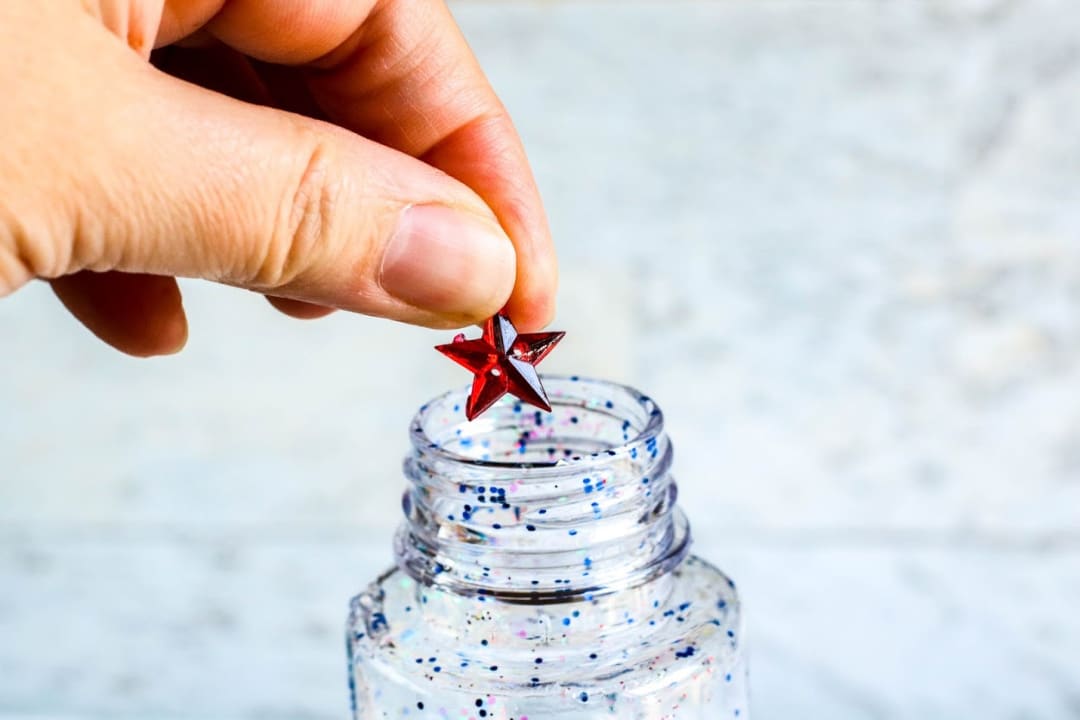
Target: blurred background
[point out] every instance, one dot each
(839, 242)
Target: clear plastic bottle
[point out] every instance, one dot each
(543, 572)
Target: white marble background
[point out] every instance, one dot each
(838, 241)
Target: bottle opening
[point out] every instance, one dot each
(536, 506)
(589, 419)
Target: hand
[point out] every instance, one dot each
(327, 153)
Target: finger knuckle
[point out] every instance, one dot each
(14, 270)
(27, 250)
(306, 226)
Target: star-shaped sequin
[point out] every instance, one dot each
(503, 361)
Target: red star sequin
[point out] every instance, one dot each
(503, 361)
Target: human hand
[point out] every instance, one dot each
(395, 187)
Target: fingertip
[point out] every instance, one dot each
(449, 262)
(531, 315)
(171, 335)
(532, 304)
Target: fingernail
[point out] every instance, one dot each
(448, 262)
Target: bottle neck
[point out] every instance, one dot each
(530, 506)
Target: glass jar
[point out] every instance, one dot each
(543, 572)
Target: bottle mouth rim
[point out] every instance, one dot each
(529, 491)
(623, 403)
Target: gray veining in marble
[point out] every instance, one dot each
(838, 241)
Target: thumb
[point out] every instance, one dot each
(178, 180)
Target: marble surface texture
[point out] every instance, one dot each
(838, 241)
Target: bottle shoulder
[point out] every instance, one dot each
(628, 641)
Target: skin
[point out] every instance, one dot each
(281, 146)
